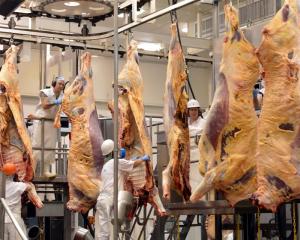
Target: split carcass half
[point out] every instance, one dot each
(85, 160)
(133, 134)
(278, 151)
(15, 145)
(176, 173)
(228, 143)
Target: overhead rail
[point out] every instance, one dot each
(103, 35)
(13, 219)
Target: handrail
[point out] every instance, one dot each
(13, 219)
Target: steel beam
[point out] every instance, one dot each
(97, 47)
(102, 35)
(116, 124)
(164, 38)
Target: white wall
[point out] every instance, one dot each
(153, 71)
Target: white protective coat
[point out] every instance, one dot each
(195, 129)
(105, 199)
(50, 136)
(13, 192)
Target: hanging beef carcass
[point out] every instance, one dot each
(228, 143)
(15, 145)
(176, 173)
(133, 134)
(85, 160)
(278, 152)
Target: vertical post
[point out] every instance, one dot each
(42, 146)
(116, 70)
(145, 221)
(59, 164)
(215, 28)
(67, 216)
(2, 211)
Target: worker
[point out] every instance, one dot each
(105, 199)
(13, 192)
(196, 125)
(50, 99)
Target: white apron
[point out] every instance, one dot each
(50, 132)
(195, 128)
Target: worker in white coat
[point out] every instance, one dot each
(105, 199)
(196, 124)
(50, 99)
(13, 192)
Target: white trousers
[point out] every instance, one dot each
(10, 231)
(103, 224)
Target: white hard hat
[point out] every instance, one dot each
(193, 103)
(107, 147)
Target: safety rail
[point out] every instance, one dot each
(13, 219)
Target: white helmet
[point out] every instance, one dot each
(107, 147)
(193, 103)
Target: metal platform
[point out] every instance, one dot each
(209, 207)
(59, 179)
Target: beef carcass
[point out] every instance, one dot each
(15, 145)
(278, 151)
(133, 134)
(228, 143)
(85, 160)
(176, 122)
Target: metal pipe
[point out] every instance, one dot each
(13, 219)
(2, 211)
(116, 125)
(42, 146)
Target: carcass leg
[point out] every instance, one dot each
(166, 182)
(205, 185)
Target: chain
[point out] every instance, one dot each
(294, 221)
(258, 223)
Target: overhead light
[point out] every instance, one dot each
(95, 56)
(96, 8)
(121, 15)
(58, 10)
(184, 27)
(68, 40)
(72, 4)
(85, 14)
(147, 46)
(141, 11)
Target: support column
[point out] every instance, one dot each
(2, 211)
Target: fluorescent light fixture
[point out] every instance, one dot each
(68, 40)
(147, 46)
(22, 10)
(58, 10)
(121, 15)
(96, 8)
(141, 11)
(72, 4)
(184, 27)
(95, 56)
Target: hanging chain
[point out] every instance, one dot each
(294, 221)
(258, 223)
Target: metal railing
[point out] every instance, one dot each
(13, 219)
